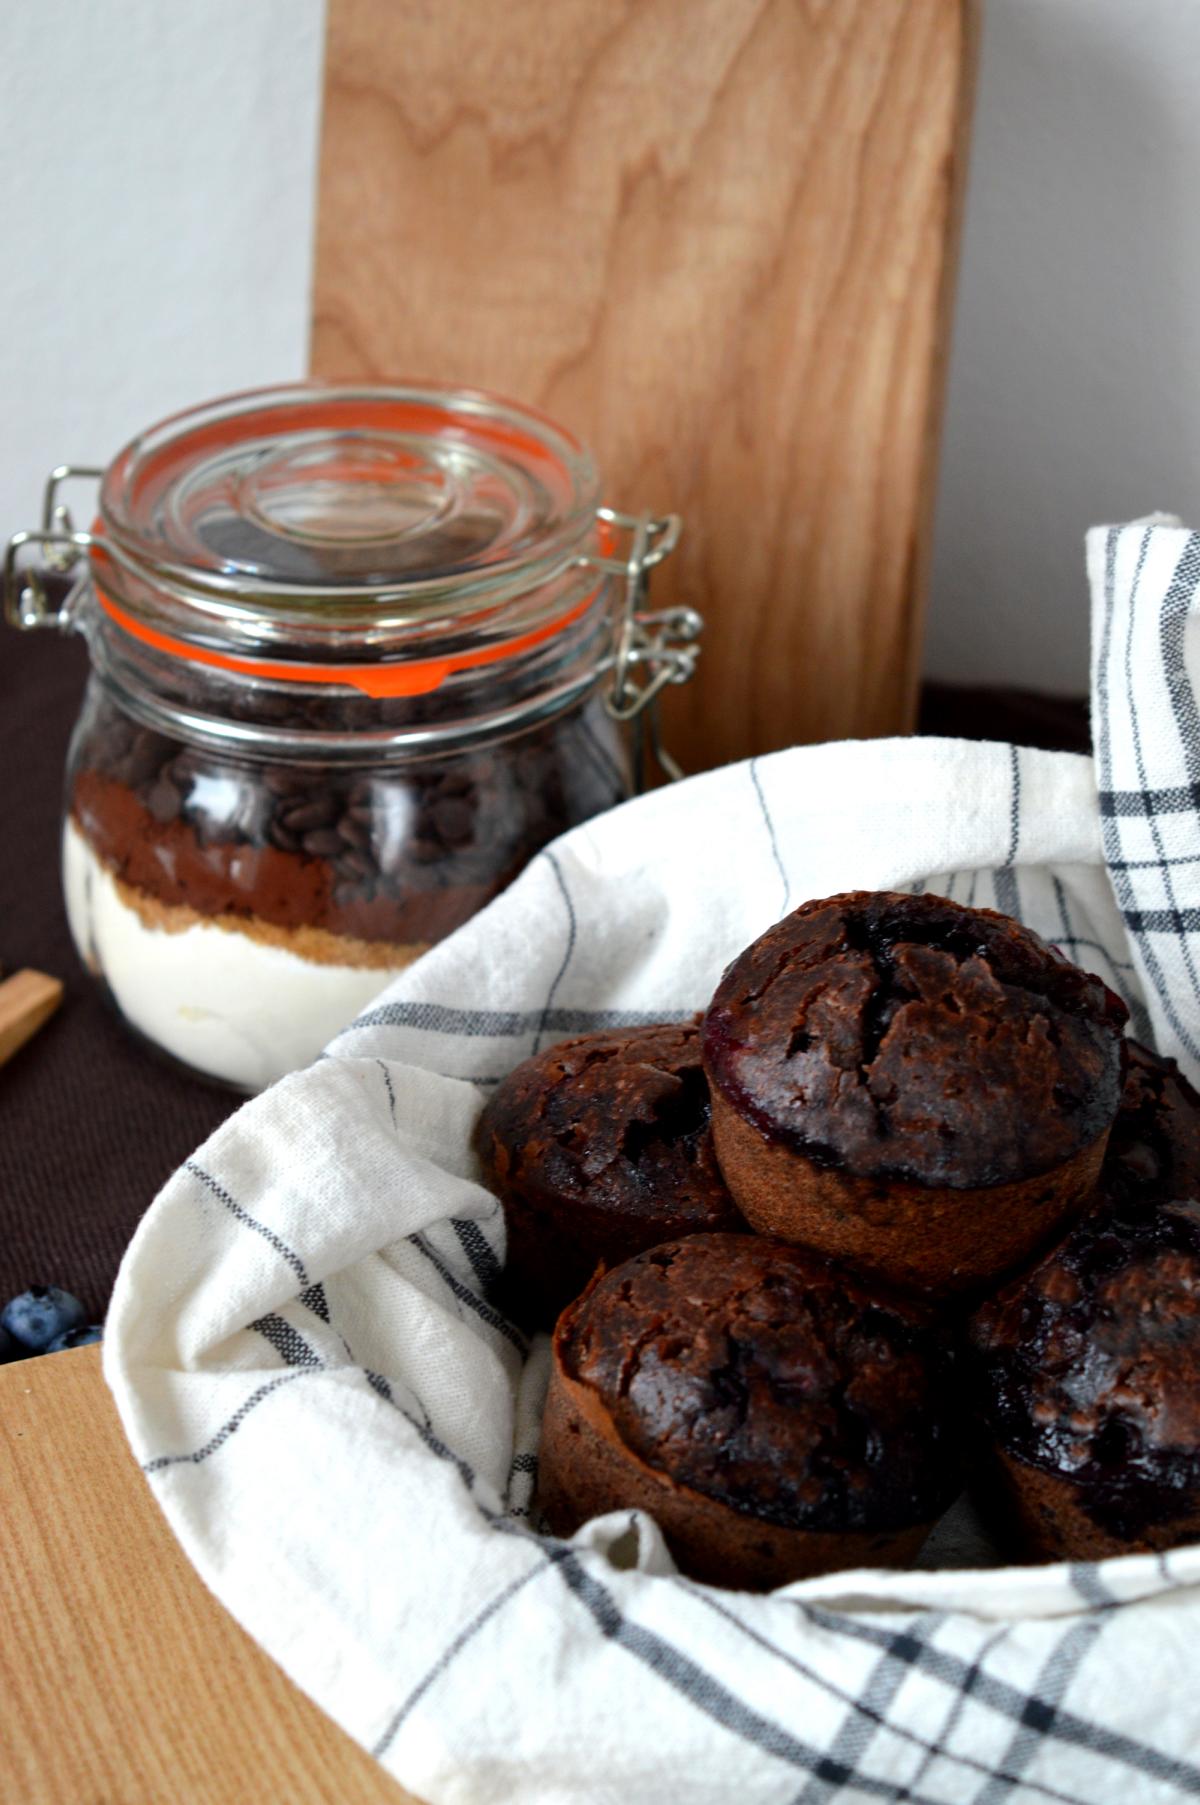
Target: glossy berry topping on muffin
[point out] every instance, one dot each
(1088, 1368)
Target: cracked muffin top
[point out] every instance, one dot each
(611, 1123)
(1089, 1366)
(905, 1037)
(760, 1374)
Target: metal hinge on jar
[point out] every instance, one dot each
(652, 650)
(26, 602)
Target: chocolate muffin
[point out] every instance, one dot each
(922, 1089)
(598, 1148)
(775, 1414)
(1086, 1376)
(1154, 1148)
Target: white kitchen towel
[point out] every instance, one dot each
(342, 1430)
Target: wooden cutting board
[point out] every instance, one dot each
(122, 1680)
(714, 237)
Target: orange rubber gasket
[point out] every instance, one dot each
(420, 677)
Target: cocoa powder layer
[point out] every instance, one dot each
(759, 1374)
(248, 882)
(897, 1037)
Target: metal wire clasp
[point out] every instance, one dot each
(26, 603)
(663, 644)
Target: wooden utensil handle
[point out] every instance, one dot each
(27, 1000)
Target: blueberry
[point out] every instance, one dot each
(10, 1348)
(41, 1314)
(78, 1337)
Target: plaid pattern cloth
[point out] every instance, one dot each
(342, 1430)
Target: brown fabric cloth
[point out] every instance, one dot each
(91, 1121)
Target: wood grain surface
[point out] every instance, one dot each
(27, 1001)
(122, 1680)
(716, 239)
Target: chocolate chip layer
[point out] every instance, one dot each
(600, 1147)
(899, 1037)
(759, 1374)
(401, 853)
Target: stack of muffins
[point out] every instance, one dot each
(903, 1208)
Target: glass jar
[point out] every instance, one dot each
(357, 655)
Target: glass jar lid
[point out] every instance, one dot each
(306, 501)
(393, 540)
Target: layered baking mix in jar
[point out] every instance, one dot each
(357, 655)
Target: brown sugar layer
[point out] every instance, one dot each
(896, 1037)
(1087, 1370)
(758, 1374)
(598, 1148)
(316, 945)
(1154, 1148)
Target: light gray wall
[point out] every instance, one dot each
(1074, 377)
(156, 181)
(156, 175)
